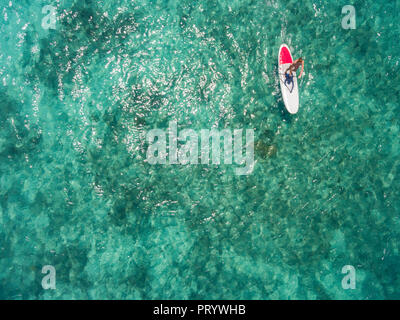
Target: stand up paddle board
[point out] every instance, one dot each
(289, 89)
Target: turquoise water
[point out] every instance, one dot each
(76, 192)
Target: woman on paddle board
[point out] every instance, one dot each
(294, 66)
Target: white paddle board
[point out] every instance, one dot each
(290, 90)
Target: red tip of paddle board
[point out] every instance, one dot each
(285, 56)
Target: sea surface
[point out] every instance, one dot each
(77, 193)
